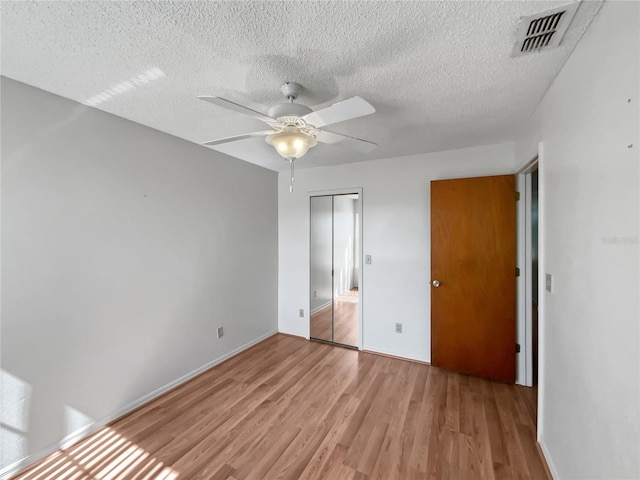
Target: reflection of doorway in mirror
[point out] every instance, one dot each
(335, 260)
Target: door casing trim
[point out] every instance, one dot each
(361, 285)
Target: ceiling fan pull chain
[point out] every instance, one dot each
(292, 177)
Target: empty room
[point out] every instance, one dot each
(340, 240)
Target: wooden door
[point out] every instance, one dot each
(473, 254)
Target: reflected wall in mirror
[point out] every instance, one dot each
(334, 268)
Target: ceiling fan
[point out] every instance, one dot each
(295, 128)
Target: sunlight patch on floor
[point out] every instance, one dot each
(106, 455)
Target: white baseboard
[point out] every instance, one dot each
(549, 460)
(98, 424)
(367, 348)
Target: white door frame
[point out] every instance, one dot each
(525, 287)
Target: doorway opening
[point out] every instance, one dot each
(335, 269)
(530, 301)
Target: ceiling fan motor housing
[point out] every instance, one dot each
(289, 110)
(291, 90)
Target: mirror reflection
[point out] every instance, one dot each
(334, 267)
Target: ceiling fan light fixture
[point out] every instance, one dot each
(291, 143)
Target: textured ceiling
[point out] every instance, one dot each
(439, 74)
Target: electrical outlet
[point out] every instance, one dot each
(220, 332)
(315, 294)
(398, 328)
(301, 313)
(549, 283)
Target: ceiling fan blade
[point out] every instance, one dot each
(238, 137)
(339, 112)
(221, 102)
(351, 143)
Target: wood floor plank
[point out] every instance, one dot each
(343, 420)
(510, 435)
(453, 402)
(495, 437)
(223, 473)
(535, 464)
(389, 461)
(263, 454)
(335, 466)
(289, 409)
(371, 451)
(470, 457)
(298, 454)
(448, 459)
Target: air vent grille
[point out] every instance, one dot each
(540, 32)
(543, 31)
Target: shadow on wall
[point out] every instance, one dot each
(15, 397)
(15, 402)
(106, 454)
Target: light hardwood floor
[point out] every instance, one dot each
(292, 409)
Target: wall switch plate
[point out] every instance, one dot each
(398, 328)
(549, 283)
(220, 332)
(301, 313)
(367, 259)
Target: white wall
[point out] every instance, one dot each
(589, 201)
(123, 249)
(395, 222)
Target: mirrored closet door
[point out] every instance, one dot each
(335, 268)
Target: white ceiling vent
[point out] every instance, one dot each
(544, 30)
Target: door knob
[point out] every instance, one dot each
(436, 283)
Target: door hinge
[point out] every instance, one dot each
(517, 348)
(517, 272)
(517, 196)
